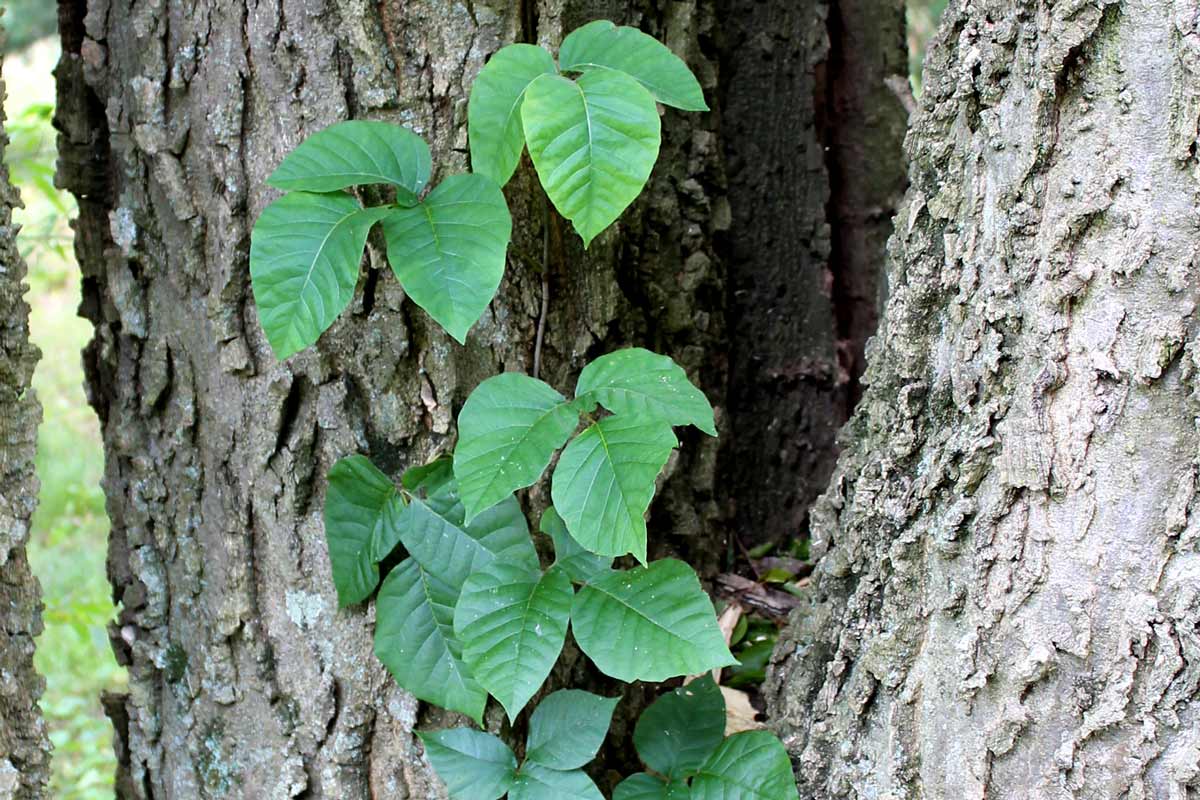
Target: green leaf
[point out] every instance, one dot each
(453, 552)
(680, 729)
(647, 787)
(512, 623)
(637, 382)
(604, 482)
(304, 255)
(593, 141)
(569, 556)
(355, 153)
(494, 112)
(431, 478)
(568, 727)
(649, 623)
(473, 765)
(355, 506)
(449, 250)
(414, 638)
(508, 431)
(642, 57)
(535, 782)
(747, 766)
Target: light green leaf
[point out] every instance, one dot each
(680, 729)
(304, 255)
(567, 728)
(414, 638)
(747, 766)
(512, 622)
(474, 765)
(535, 782)
(355, 506)
(494, 112)
(569, 556)
(508, 431)
(593, 141)
(355, 153)
(638, 382)
(642, 57)
(604, 482)
(647, 787)
(453, 552)
(649, 623)
(449, 250)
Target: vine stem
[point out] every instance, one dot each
(541, 326)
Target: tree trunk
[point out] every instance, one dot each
(245, 678)
(24, 745)
(1008, 595)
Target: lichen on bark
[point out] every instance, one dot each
(24, 744)
(1008, 591)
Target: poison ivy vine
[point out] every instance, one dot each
(467, 609)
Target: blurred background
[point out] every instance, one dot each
(70, 528)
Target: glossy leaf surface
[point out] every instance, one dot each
(494, 113)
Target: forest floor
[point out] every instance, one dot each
(70, 528)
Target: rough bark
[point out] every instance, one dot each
(1008, 595)
(245, 678)
(812, 136)
(24, 745)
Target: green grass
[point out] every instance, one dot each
(70, 528)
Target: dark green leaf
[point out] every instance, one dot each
(494, 113)
(414, 638)
(747, 766)
(473, 765)
(649, 623)
(535, 782)
(453, 552)
(604, 482)
(644, 384)
(569, 556)
(355, 153)
(449, 251)
(304, 255)
(355, 508)
(508, 431)
(593, 141)
(680, 729)
(512, 622)
(647, 787)
(567, 728)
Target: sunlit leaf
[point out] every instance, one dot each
(508, 430)
(449, 250)
(604, 482)
(354, 153)
(305, 251)
(494, 112)
(638, 382)
(644, 58)
(593, 142)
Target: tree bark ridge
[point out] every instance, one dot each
(24, 744)
(1006, 603)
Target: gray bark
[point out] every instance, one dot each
(245, 679)
(24, 745)
(1008, 593)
